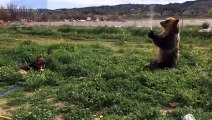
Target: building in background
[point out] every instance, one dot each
(2, 21)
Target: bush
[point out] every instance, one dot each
(66, 29)
(41, 112)
(75, 113)
(205, 25)
(34, 81)
(9, 75)
(42, 31)
(27, 52)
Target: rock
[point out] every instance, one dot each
(189, 117)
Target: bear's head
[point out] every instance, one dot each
(171, 25)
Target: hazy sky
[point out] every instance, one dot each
(53, 4)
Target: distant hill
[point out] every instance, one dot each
(198, 8)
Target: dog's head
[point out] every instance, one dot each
(38, 64)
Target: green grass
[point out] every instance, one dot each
(99, 71)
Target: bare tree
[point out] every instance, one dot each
(12, 8)
(4, 14)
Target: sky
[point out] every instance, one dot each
(54, 4)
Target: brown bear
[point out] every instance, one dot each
(168, 43)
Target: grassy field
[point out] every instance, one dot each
(99, 71)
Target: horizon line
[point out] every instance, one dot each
(95, 5)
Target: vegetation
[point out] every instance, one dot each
(99, 71)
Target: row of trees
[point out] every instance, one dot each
(12, 13)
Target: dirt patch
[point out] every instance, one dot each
(59, 117)
(8, 110)
(170, 109)
(30, 94)
(12, 109)
(59, 104)
(50, 100)
(3, 102)
(3, 112)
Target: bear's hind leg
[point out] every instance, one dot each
(164, 65)
(152, 65)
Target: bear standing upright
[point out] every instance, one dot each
(168, 43)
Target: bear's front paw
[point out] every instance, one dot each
(151, 33)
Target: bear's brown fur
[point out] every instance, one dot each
(168, 43)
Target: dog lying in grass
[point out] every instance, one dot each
(37, 65)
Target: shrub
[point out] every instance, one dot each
(66, 29)
(43, 31)
(13, 27)
(35, 80)
(52, 79)
(75, 113)
(9, 75)
(27, 52)
(41, 112)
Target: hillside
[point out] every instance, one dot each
(197, 8)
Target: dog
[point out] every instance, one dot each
(37, 65)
